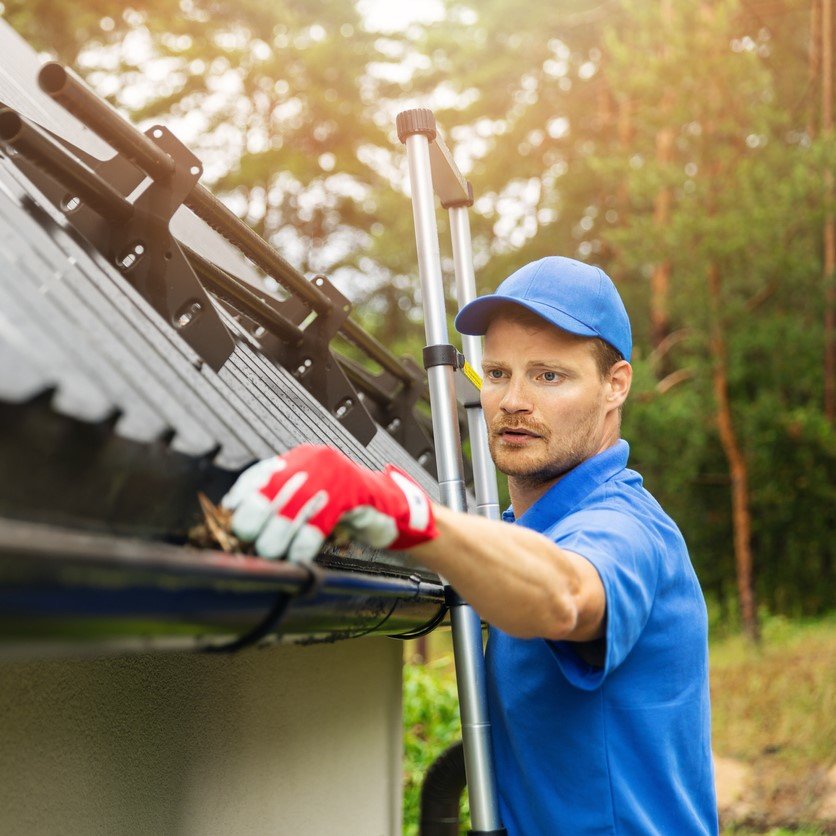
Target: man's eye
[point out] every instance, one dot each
(494, 374)
(550, 377)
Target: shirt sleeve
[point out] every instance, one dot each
(626, 554)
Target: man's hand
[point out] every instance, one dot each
(290, 504)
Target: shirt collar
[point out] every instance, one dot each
(570, 491)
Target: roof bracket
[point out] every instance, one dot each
(314, 365)
(398, 417)
(393, 403)
(134, 236)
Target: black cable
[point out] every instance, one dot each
(273, 618)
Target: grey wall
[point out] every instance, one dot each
(290, 740)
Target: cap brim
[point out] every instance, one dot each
(474, 317)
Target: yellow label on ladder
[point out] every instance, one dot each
(472, 375)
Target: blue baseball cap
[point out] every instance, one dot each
(571, 295)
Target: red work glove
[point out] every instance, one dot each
(290, 504)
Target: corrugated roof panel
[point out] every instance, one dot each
(21, 379)
(78, 393)
(86, 336)
(386, 450)
(147, 356)
(277, 393)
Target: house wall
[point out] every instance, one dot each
(288, 740)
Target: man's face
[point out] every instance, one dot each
(544, 401)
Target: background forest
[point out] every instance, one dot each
(685, 146)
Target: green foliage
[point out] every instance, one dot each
(431, 724)
(755, 218)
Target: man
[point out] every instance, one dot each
(597, 656)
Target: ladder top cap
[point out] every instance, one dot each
(417, 121)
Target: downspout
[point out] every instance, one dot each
(442, 792)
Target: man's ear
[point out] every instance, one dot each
(620, 380)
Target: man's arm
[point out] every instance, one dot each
(516, 579)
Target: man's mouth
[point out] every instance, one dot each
(517, 434)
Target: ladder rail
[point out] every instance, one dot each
(416, 129)
(484, 470)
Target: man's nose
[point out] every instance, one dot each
(515, 398)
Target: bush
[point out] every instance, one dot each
(431, 724)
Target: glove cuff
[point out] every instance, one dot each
(416, 521)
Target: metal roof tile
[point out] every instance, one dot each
(21, 379)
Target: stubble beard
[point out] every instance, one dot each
(555, 456)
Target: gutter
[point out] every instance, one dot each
(64, 591)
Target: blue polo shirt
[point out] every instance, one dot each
(625, 746)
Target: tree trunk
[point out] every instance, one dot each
(661, 276)
(660, 326)
(625, 140)
(814, 66)
(738, 469)
(829, 222)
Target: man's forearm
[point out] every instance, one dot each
(514, 578)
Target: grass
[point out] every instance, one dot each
(774, 710)
(776, 831)
(789, 681)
